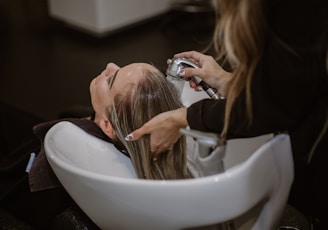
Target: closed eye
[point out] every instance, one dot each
(111, 79)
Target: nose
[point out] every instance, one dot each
(111, 67)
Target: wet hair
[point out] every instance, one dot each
(144, 100)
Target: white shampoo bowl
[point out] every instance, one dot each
(102, 182)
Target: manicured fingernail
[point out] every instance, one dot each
(129, 137)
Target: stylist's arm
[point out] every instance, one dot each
(163, 129)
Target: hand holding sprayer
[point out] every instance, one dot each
(176, 65)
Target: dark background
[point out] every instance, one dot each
(46, 66)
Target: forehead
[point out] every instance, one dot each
(131, 74)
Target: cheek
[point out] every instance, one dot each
(98, 93)
(93, 91)
(92, 85)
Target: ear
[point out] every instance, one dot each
(107, 128)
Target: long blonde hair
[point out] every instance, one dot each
(239, 39)
(149, 97)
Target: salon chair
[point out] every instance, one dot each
(251, 194)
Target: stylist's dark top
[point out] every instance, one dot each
(289, 92)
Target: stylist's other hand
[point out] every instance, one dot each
(163, 129)
(209, 71)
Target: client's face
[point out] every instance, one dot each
(112, 81)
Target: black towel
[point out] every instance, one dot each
(41, 175)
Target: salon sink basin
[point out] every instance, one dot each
(103, 183)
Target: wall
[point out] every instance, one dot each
(103, 16)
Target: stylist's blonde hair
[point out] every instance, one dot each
(239, 38)
(150, 96)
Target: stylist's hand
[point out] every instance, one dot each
(209, 71)
(163, 129)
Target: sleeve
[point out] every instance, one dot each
(206, 115)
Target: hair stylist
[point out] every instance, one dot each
(277, 81)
